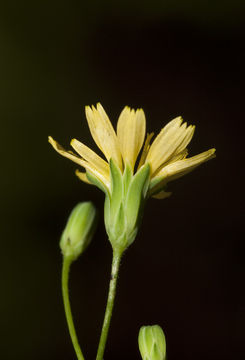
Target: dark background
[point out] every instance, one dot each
(185, 271)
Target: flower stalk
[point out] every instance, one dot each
(67, 260)
(74, 240)
(110, 304)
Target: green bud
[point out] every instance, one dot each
(79, 230)
(124, 204)
(152, 344)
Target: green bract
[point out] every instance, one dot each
(152, 344)
(124, 203)
(79, 230)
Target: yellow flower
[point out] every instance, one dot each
(166, 156)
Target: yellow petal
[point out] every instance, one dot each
(186, 139)
(103, 133)
(82, 176)
(145, 149)
(173, 138)
(91, 157)
(180, 156)
(181, 167)
(79, 161)
(131, 134)
(162, 195)
(63, 152)
(171, 126)
(155, 150)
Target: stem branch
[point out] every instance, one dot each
(65, 276)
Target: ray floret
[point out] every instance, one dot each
(166, 155)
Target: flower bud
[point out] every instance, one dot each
(152, 343)
(79, 230)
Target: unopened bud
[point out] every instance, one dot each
(79, 230)
(152, 344)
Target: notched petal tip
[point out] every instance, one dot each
(68, 154)
(171, 140)
(178, 168)
(100, 109)
(51, 140)
(55, 144)
(206, 155)
(88, 111)
(211, 154)
(193, 128)
(178, 119)
(98, 104)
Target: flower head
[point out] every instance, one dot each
(166, 156)
(126, 180)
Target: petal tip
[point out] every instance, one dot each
(52, 141)
(212, 152)
(98, 105)
(140, 111)
(99, 108)
(88, 110)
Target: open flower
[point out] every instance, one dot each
(166, 156)
(126, 180)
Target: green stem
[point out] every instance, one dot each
(109, 307)
(65, 276)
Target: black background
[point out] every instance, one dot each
(185, 271)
